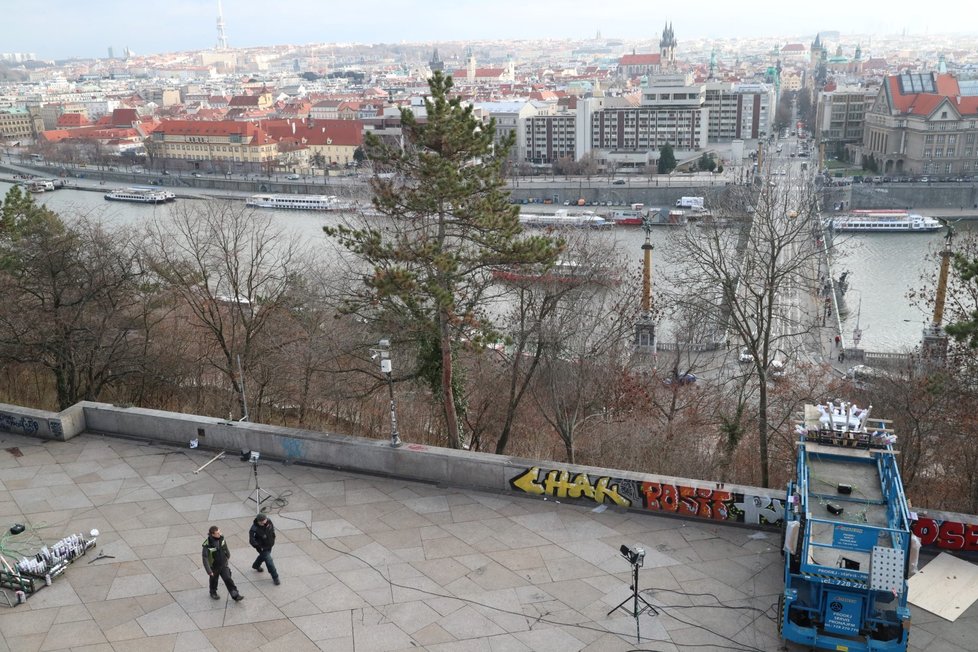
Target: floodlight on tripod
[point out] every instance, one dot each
(260, 494)
(636, 557)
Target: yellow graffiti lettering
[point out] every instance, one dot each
(558, 483)
(561, 484)
(602, 489)
(527, 481)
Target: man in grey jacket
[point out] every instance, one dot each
(217, 562)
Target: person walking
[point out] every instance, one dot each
(262, 538)
(216, 558)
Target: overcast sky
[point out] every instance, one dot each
(68, 28)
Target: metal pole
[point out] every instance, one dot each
(213, 459)
(395, 436)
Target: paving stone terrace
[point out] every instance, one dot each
(371, 563)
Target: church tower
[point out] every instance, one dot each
(436, 63)
(667, 47)
(815, 51)
(470, 70)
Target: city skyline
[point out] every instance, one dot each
(149, 29)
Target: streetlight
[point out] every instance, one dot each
(383, 352)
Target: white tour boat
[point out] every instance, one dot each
(884, 221)
(168, 195)
(138, 196)
(562, 218)
(299, 202)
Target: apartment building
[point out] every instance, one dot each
(840, 116)
(550, 137)
(672, 110)
(923, 123)
(225, 144)
(738, 110)
(20, 125)
(510, 118)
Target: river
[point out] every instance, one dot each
(883, 267)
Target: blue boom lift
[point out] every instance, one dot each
(846, 536)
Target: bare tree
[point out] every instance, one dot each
(233, 270)
(71, 303)
(753, 279)
(585, 342)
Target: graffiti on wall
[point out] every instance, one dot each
(17, 424)
(562, 484)
(295, 449)
(950, 535)
(54, 425)
(760, 510)
(682, 500)
(696, 502)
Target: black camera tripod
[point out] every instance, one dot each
(635, 598)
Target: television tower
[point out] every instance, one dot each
(222, 39)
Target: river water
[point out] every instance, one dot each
(883, 266)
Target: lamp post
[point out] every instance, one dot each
(383, 352)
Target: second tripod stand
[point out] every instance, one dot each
(260, 494)
(636, 558)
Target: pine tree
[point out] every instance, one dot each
(667, 159)
(452, 222)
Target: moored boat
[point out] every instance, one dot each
(884, 221)
(168, 195)
(562, 218)
(299, 202)
(627, 217)
(137, 196)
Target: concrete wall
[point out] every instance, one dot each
(915, 195)
(752, 506)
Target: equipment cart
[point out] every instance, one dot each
(846, 536)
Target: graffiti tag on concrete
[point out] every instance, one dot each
(687, 501)
(682, 500)
(15, 424)
(561, 484)
(950, 535)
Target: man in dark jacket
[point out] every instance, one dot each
(217, 562)
(262, 538)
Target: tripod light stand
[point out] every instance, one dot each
(260, 495)
(635, 557)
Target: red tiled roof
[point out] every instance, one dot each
(926, 103)
(244, 100)
(640, 60)
(793, 47)
(54, 135)
(462, 73)
(947, 85)
(317, 132)
(124, 117)
(72, 120)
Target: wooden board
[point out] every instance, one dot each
(946, 586)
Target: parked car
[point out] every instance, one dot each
(619, 182)
(681, 379)
(293, 177)
(745, 356)
(196, 174)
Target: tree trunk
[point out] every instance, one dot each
(762, 428)
(447, 392)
